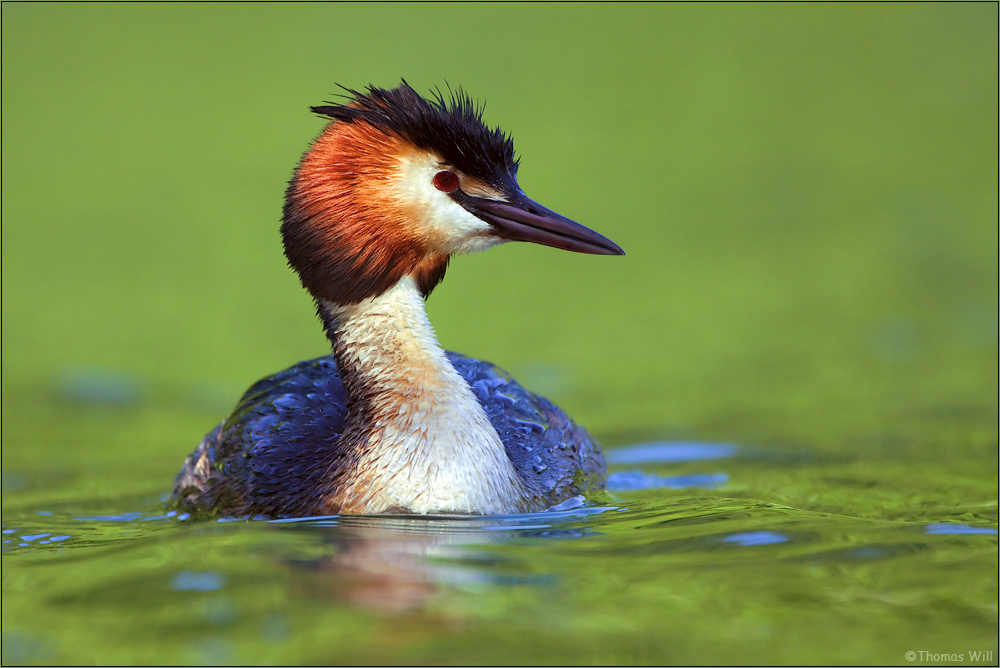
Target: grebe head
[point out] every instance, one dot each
(396, 184)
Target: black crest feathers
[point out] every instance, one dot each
(450, 125)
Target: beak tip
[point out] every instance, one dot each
(611, 248)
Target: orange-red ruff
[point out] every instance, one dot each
(346, 230)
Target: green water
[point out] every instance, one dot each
(808, 199)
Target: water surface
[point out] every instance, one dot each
(685, 561)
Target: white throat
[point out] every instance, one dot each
(423, 443)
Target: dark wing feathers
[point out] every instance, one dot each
(273, 454)
(556, 457)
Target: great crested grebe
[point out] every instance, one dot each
(389, 191)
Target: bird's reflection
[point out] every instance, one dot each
(398, 564)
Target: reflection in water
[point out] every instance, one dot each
(949, 528)
(752, 538)
(21, 648)
(236, 590)
(380, 588)
(626, 481)
(397, 564)
(91, 385)
(192, 581)
(669, 452)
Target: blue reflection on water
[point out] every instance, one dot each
(99, 386)
(947, 527)
(670, 452)
(194, 581)
(751, 538)
(31, 538)
(320, 520)
(625, 481)
(124, 517)
(571, 503)
(21, 648)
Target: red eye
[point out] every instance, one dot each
(445, 181)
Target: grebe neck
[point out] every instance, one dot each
(418, 438)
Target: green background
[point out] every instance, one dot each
(807, 196)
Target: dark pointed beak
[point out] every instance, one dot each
(526, 220)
